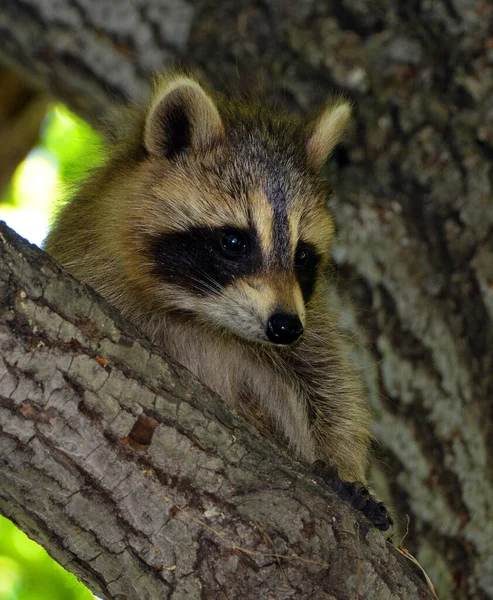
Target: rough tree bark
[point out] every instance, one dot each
(414, 207)
(145, 484)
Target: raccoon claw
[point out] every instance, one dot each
(356, 494)
(376, 512)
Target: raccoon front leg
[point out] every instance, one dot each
(339, 417)
(342, 450)
(356, 494)
(341, 441)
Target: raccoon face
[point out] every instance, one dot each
(236, 229)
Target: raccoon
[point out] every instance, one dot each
(208, 227)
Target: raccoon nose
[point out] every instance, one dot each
(283, 328)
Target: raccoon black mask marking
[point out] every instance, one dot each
(206, 259)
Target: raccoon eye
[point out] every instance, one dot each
(234, 244)
(305, 257)
(300, 257)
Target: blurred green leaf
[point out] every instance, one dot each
(28, 573)
(72, 142)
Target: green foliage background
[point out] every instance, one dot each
(28, 573)
(67, 148)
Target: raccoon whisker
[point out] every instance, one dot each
(302, 359)
(215, 287)
(317, 336)
(206, 276)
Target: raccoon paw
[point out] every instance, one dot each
(356, 494)
(376, 512)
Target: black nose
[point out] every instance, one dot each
(283, 328)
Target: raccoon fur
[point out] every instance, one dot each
(208, 227)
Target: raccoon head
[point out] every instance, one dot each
(232, 220)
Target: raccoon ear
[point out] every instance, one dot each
(326, 132)
(181, 116)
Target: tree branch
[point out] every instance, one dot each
(143, 483)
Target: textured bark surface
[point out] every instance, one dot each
(142, 482)
(414, 207)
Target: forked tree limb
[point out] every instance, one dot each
(142, 482)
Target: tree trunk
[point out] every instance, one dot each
(142, 482)
(414, 207)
